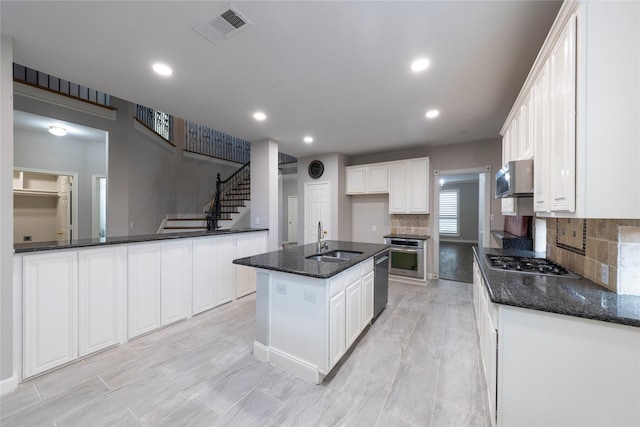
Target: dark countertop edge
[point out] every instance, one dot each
(339, 267)
(407, 236)
(84, 243)
(539, 307)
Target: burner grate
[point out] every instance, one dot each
(528, 265)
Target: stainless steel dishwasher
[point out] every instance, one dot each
(380, 283)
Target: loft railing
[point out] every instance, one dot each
(159, 122)
(229, 195)
(284, 158)
(33, 77)
(210, 142)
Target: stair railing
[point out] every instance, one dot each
(227, 191)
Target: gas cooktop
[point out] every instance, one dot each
(528, 265)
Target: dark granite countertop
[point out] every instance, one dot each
(82, 243)
(407, 236)
(572, 297)
(292, 260)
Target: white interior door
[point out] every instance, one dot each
(292, 209)
(63, 211)
(316, 208)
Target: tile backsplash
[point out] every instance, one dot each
(612, 247)
(411, 224)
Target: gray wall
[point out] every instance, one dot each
(289, 188)
(47, 152)
(468, 211)
(335, 174)
(145, 180)
(371, 210)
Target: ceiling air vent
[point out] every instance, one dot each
(223, 26)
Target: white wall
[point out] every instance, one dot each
(370, 211)
(33, 150)
(6, 213)
(264, 189)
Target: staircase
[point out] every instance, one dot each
(230, 203)
(231, 198)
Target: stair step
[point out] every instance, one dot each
(195, 218)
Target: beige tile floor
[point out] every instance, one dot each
(417, 365)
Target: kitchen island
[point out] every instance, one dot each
(311, 307)
(556, 350)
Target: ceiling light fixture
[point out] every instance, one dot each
(57, 130)
(420, 65)
(308, 139)
(162, 69)
(432, 114)
(259, 116)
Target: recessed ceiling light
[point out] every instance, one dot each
(420, 64)
(432, 113)
(308, 139)
(162, 69)
(57, 130)
(259, 116)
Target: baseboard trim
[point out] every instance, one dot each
(9, 385)
(409, 280)
(260, 351)
(296, 366)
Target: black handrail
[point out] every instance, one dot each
(230, 191)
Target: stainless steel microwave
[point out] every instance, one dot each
(515, 179)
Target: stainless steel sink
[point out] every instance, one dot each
(334, 256)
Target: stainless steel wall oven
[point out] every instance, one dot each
(406, 257)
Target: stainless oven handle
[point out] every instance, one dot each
(409, 251)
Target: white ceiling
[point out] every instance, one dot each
(338, 71)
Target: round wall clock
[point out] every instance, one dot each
(316, 169)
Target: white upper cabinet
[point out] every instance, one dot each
(409, 186)
(356, 180)
(378, 178)
(563, 124)
(581, 115)
(368, 179)
(541, 128)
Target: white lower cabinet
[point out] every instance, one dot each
(487, 323)
(78, 302)
(144, 288)
(541, 368)
(353, 296)
(227, 271)
(248, 244)
(367, 298)
(337, 328)
(214, 274)
(204, 274)
(50, 311)
(101, 284)
(176, 280)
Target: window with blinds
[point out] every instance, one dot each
(449, 211)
